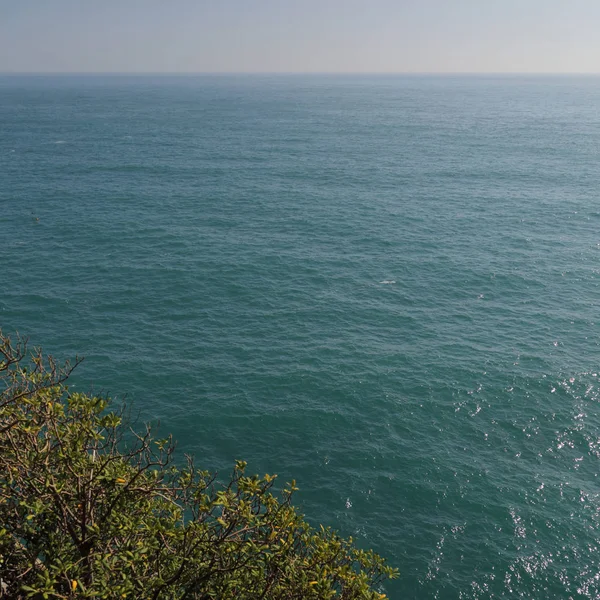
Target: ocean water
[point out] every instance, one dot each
(385, 287)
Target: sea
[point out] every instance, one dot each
(384, 287)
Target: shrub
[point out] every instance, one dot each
(90, 508)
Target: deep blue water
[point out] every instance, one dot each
(385, 287)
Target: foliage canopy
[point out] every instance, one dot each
(90, 508)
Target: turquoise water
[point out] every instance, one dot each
(385, 287)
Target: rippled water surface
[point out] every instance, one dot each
(385, 287)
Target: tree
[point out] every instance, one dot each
(90, 508)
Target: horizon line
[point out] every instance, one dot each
(226, 73)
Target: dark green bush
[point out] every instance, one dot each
(91, 509)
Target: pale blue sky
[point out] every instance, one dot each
(538, 36)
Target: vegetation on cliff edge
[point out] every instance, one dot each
(91, 508)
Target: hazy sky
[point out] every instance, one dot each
(300, 35)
